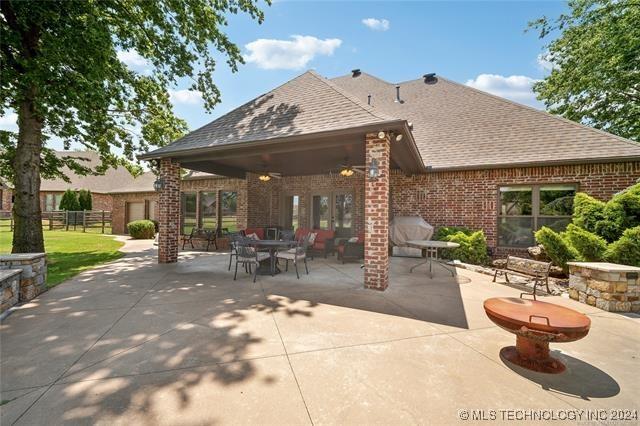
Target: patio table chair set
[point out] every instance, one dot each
(253, 252)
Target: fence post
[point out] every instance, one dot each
(84, 221)
(66, 215)
(103, 221)
(50, 224)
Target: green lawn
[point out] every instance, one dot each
(69, 253)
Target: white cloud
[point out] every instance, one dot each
(185, 96)
(376, 24)
(9, 122)
(272, 54)
(543, 63)
(132, 58)
(517, 88)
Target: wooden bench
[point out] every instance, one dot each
(208, 235)
(528, 268)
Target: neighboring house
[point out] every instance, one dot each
(455, 156)
(109, 191)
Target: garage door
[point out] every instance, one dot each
(135, 211)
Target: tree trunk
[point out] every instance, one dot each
(27, 216)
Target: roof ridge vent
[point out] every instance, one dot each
(398, 100)
(356, 72)
(369, 99)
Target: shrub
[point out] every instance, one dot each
(141, 229)
(626, 250)
(629, 200)
(445, 231)
(473, 247)
(587, 211)
(69, 201)
(613, 223)
(85, 200)
(590, 247)
(557, 248)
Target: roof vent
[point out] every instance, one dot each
(356, 72)
(430, 78)
(398, 94)
(369, 99)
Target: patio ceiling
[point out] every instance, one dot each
(308, 154)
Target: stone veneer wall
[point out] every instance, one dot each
(10, 287)
(469, 197)
(614, 288)
(33, 278)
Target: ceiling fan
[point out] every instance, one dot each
(266, 176)
(347, 169)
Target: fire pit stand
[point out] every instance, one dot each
(535, 324)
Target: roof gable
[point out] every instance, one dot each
(456, 126)
(306, 104)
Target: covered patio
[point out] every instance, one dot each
(288, 142)
(137, 342)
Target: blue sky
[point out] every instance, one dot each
(479, 43)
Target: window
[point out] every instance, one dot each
(229, 209)
(209, 210)
(291, 212)
(525, 209)
(52, 202)
(189, 204)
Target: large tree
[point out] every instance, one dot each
(61, 74)
(595, 65)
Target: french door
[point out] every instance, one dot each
(333, 210)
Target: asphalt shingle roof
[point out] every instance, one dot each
(113, 180)
(457, 126)
(306, 104)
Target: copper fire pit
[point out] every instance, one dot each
(535, 324)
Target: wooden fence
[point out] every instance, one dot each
(85, 221)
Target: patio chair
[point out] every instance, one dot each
(299, 252)
(249, 256)
(234, 239)
(287, 235)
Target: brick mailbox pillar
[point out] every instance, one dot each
(376, 214)
(169, 212)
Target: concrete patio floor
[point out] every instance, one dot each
(133, 342)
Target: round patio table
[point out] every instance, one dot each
(535, 324)
(432, 247)
(272, 246)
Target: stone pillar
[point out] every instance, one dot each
(376, 214)
(33, 267)
(169, 212)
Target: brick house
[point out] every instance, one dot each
(429, 147)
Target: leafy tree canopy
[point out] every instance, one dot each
(595, 74)
(63, 57)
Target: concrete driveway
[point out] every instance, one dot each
(134, 342)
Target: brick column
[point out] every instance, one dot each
(169, 212)
(376, 215)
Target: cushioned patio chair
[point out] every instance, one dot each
(234, 239)
(323, 244)
(296, 254)
(258, 231)
(249, 257)
(287, 235)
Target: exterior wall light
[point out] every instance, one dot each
(264, 178)
(158, 185)
(373, 169)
